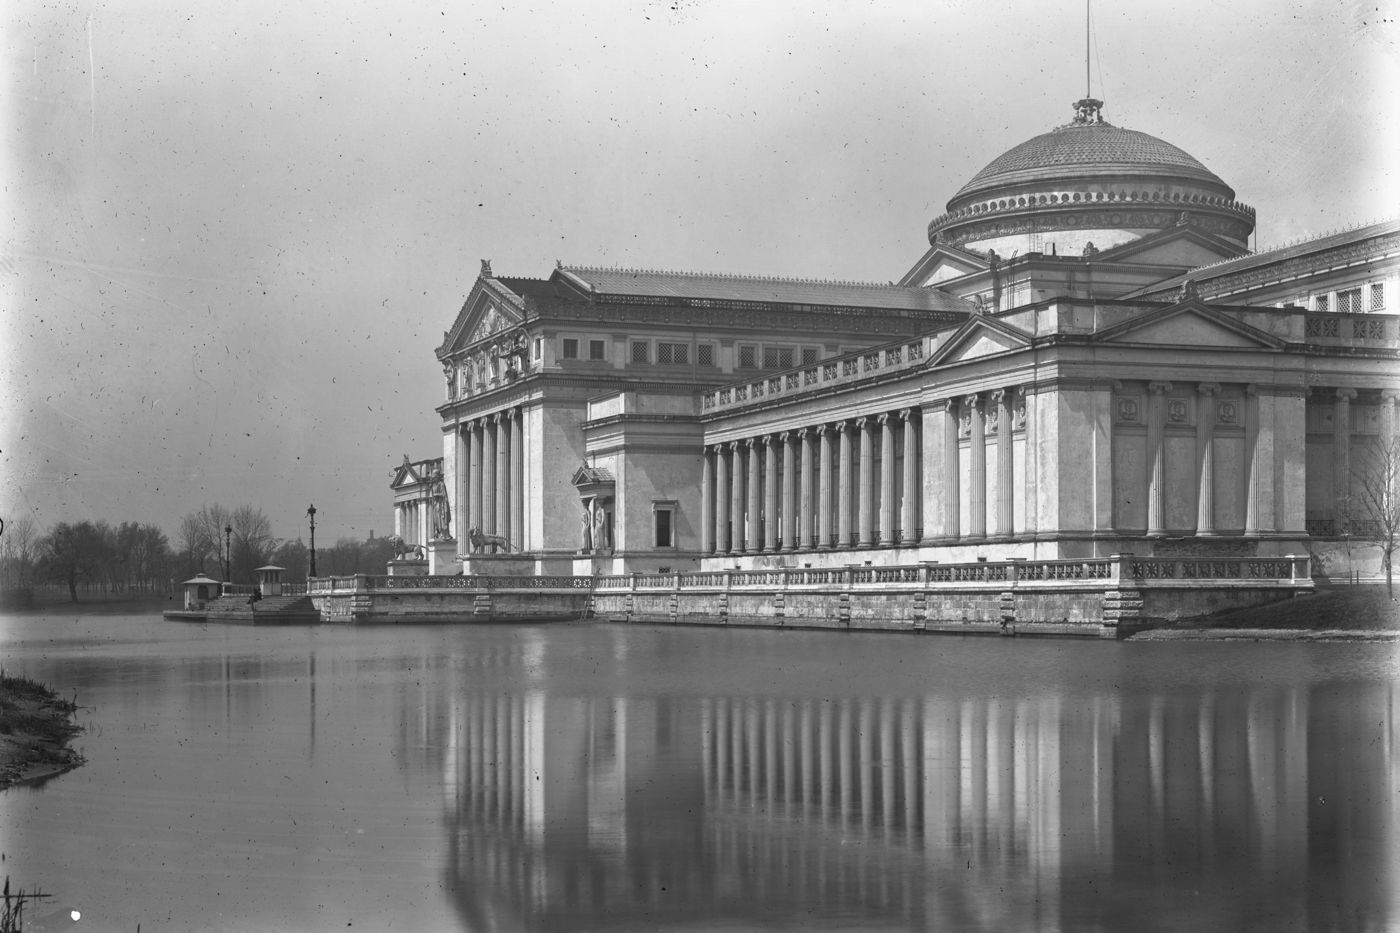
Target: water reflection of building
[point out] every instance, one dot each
(1097, 812)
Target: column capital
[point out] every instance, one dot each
(1346, 394)
(753, 442)
(905, 414)
(1208, 388)
(997, 395)
(885, 417)
(1159, 388)
(783, 436)
(1251, 388)
(732, 445)
(863, 420)
(1390, 395)
(972, 401)
(839, 427)
(948, 404)
(804, 433)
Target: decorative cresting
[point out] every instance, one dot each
(1091, 175)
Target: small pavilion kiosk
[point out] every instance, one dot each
(270, 580)
(199, 591)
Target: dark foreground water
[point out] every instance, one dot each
(575, 777)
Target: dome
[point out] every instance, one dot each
(1088, 184)
(1082, 151)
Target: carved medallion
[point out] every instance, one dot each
(1127, 406)
(1176, 411)
(1227, 412)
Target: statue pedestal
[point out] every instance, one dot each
(442, 558)
(408, 567)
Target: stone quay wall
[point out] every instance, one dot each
(374, 599)
(1102, 597)
(1099, 597)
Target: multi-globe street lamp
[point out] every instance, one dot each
(228, 553)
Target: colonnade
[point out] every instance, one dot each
(1346, 509)
(815, 487)
(411, 520)
(491, 477)
(973, 424)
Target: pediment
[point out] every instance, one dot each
(489, 310)
(404, 475)
(1183, 246)
(943, 263)
(1192, 324)
(979, 337)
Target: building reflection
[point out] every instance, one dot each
(1241, 809)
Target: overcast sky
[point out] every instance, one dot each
(237, 231)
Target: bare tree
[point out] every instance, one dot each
(1376, 500)
(18, 551)
(252, 540)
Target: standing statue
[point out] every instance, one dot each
(585, 531)
(601, 539)
(442, 511)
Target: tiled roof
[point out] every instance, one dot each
(1075, 151)
(636, 283)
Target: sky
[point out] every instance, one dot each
(235, 233)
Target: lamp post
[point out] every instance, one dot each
(228, 553)
(311, 513)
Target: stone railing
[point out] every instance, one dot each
(907, 354)
(1118, 569)
(1325, 328)
(1126, 199)
(237, 589)
(364, 583)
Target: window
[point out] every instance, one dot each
(777, 357)
(673, 353)
(705, 354)
(1320, 303)
(539, 348)
(570, 351)
(596, 350)
(1377, 296)
(641, 351)
(663, 523)
(748, 356)
(809, 355)
(1349, 301)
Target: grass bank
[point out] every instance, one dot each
(36, 726)
(1364, 612)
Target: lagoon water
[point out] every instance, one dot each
(602, 777)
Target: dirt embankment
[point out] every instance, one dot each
(36, 726)
(1335, 613)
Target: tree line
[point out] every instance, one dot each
(137, 557)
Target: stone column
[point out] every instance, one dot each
(707, 501)
(952, 483)
(887, 480)
(807, 531)
(516, 417)
(1006, 465)
(976, 466)
(398, 521)
(754, 538)
(844, 536)
(722, 507)
(461, 484)
(474, 479)
(1251, 456)
(1341, 460)
(503, 433)
(909, 505)
(1205, 457)
(789, 442)
(1156, 451)
(488, 476)
(736, 498)
(865, 498)
(825, 533)
(770, 492)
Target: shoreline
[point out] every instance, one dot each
(36, 729)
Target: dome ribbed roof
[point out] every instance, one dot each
(1079, 151)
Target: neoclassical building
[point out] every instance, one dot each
(1086, 360)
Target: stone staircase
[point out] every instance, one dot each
(271, 610)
